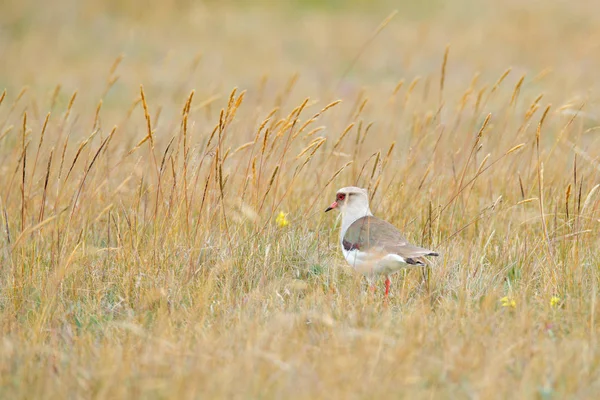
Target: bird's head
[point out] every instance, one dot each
(351, 199)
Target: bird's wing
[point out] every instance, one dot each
(373, 235)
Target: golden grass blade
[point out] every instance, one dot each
(443, 72)
(588, 198)
(362, 49)
(31, 230)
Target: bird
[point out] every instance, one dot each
(371, 245)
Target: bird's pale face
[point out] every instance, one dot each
(349, 198)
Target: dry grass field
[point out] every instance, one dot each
(165, 165)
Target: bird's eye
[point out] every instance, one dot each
(341, 196)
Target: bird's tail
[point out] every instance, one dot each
(418, 256)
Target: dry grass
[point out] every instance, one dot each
(139, 247)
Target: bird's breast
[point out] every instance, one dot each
(373, 263)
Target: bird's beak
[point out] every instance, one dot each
(332, 206)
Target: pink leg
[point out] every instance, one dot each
(387, 286)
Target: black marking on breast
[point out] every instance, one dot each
(350, 246)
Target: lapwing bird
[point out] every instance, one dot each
(370, 245)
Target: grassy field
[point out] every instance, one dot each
(165, 165)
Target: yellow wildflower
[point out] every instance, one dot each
(508, 301)
(554, 301)
(282, 220)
